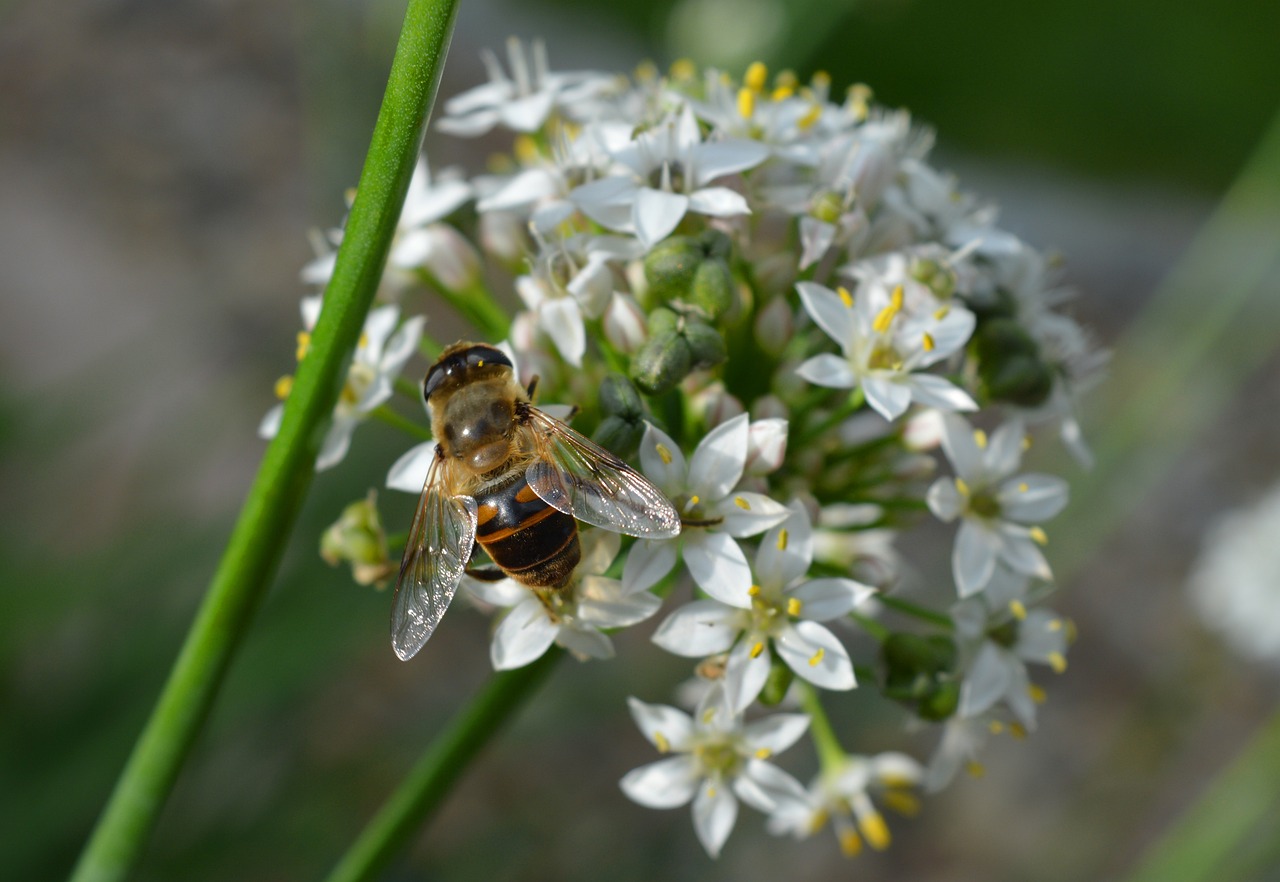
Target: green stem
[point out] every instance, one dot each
(477, 306)
(830, 754)
(388, 416)
(257, 541)
(871, 626)
(848, 408)
(920, 612)
(428, 782)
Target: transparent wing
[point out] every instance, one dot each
(439, 546)
(582, 479)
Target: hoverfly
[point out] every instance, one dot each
(513, 479)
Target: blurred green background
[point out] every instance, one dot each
(160, 164)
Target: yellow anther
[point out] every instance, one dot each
(525, 149)
(757, 649)
(664, 454)
(646, 72)
(850, 844)
(756, 76)
(782, 93)
(821, 80)
(1037, 693)
(725, 79)
(1072, 633)
(349, 394)
(708, 715)
(875, 830)
(363, 342)
(845, 296)
(975, 769)
(683, 69)
(1026, 442)
(1058, 662)
(284, 386)
(962, 488)
(754, 591)
(980, 438)
(746, 103)
(1055, 625)
(1018, 731)
(694, 500)
(1023, 487)
(816, 658)
(782, 539)
(1019, 609)
(786, 79)
(995, 727)
(1038, 536)
(856, 99)
(661, 742)
(942, 312)
(926, 340)
(742, 503)
(811, 116)
(901, 801)
(794, 605)
(304, 344)
(764, 753)
(887, 315)
(711, 792)
(818, 820)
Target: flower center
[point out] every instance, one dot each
(718, 756)
(694, 514)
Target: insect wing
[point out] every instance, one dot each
(439, 546)
(584, 480)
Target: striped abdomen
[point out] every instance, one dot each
(529, 540)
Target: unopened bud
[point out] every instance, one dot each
(768, 407)
(706, 346)
(619, 398)
(773, 326)
(357, 538)
(670, 267)
(662, 362)
(717, 404)
(779, 681)
(619, 435)
(1009, 363)
(442, 251)
(766, 446)
(937, 276)
(624, 324)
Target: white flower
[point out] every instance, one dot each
(712, 512)
(526, 99)
(1233, 584)
(998, 509)
(886, 346)
(843, 796)
(962, 739)
(573, 617)
(781, 612)
(668, 169)
(379, 357)
(716, 761)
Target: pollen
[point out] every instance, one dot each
(942, 312)
(1026, 442)
(1038, 535)
(821, 80)
(816, 658)
(711, 792)
(786, 79)
(1018, 731)
(746, 103)
(995, 727)
(975, 769)
(742, 503)
(926, 340)
(363, 342)
(782, 539)
(887, 315)
(756, 77)
(1019, 609)
(850, 844)
(660, 741)
(1058, 662)
(902, 801)
(980, 438)
(284, 386)
(664, 454)
(1023, 487)
(794, 605)
(875, 830)
(754, 591)
(646, 72)
(693, 500)
(962, 488)
(1037, 693)
(1055, 625)
(757, 649)
(811, 116)
(782, 93)
(764, 753)
(845, 296)
(304, 344)
(683, 69)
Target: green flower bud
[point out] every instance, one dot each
(939, 277)
(827, 207)
(1009, 363)
(619, 435)
(619, 398)
(662, 362)
(918, 673)
(663, 321)
(775, 688)
(941, 704)
(706, 346)
(712, 290)
(692, 274)
(670, 267)
(357, 538)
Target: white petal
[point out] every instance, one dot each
(503, 593)
(949, 334)
(961, 447)
(718, 565)
(1018, 695)
(766, 445)
(887, 397)
(666, 727)
(585, 642)
(613, 609)
(824, 599)
(987, 680)
(938, 392)
(828, 370)
(337, 441)
(662, 461)
(1020, 551)
(607, 201)
(648, 561)
(815, 238)
(698, 629)
(668, 783)
(524, 634)
(270, 424)
(815, 654)
(717, 463)
(714, 812)
(1030, 499)
(599, 547)
(744, 675)
(748, 514)
(656, 213)
(592, 287)
(1003, 454)
(528, 113)
(320, 270)
(786, 550)
(409, 472)
(718, 202)
(944, 499)
(764, 786)
(974, 557)
(828, 310)
(561, 318)
(1041, 636)
(525, 188)
(402, 345)
(720, 158)
(377, 328)
(775, 733)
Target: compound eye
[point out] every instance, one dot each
(435, 378)
(479, 356)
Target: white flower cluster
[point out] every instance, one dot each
(798, 308)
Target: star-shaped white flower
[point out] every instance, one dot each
(888, 340)
(575, 617)
(716, 761)
(781, 612)
(843, 795)
(712, 511)
(668, 170)
(380, 355)
(999, 510)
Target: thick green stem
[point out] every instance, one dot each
(269, 512)
(830, 754)
(427, 784)
(920, 612)
(386, 415)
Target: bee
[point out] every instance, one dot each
(513, 479)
